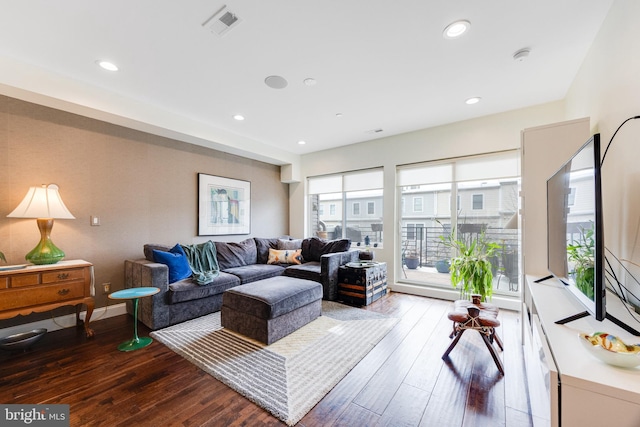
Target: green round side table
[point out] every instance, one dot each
(134, 294)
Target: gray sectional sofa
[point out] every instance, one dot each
(240, 263)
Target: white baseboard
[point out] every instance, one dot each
(453, 294)
(66, 321)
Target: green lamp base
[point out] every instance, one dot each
(45, 251)
(45, 255)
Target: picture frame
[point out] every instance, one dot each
(224, 206)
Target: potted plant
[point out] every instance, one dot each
(411, 260)
(581, 254)
(443, 265)
(472, 267)
(443, 259)
(2, 257)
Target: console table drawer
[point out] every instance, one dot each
(63, 276)
(18, 298)
(24, 280)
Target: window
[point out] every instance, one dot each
(470, 195)
(346, 194)
(321, 209)
(477, 202)
(417, 204)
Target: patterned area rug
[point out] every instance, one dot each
(288, 377)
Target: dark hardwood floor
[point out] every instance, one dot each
(402, 382)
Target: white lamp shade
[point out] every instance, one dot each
(42, 202)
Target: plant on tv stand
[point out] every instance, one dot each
(581, 253)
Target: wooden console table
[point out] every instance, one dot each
(38, 288)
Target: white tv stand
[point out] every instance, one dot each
(568, 386)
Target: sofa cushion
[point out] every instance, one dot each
(313, 248)
(149, 248)
(187, 290)
(286, 256)
(251, 273)
(236, 254)
(289, 244)
(309, 270)
(270, 298)
(262, 248)
(177, 262)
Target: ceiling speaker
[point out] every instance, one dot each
(276, 82)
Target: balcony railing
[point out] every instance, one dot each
(426, 242)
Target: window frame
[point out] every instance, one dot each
(353, 209)
(473, 201)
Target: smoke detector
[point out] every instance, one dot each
(223, 21)
(521, 55)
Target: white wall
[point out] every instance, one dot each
(607, 88)
(488, 134)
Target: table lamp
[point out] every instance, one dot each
(44, 204)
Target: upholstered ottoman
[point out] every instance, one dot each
(269, 309)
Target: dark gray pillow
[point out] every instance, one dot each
(293, 244)
(150, 247)
(339, 245)
(313, 248)
(262, 248)
(236, 254)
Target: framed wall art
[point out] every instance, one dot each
(224, 206)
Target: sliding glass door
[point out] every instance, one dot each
(470, 197)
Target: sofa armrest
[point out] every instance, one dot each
(153, 311)
(329, 267)
(142, 273)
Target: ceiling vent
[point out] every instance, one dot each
(223, 21)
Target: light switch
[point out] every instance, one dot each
(95, 220)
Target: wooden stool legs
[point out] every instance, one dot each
(484, 325)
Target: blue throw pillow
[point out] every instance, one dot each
(177, 262)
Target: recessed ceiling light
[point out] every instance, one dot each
(456, 29)
(473, 100)
(302, 142)
(338, 115)
(109, 66)
(239, 117)
(310, 82)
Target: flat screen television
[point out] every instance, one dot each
(575, 239)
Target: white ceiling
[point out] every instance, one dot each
(382, 64)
